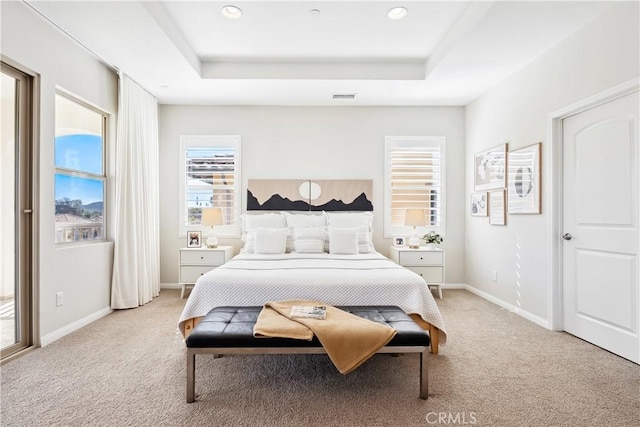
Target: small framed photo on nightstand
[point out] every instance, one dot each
(398, 241)
(194, 239)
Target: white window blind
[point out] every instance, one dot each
(414, 179)
(210, 175)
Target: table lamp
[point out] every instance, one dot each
(212, 217)
(414, 218)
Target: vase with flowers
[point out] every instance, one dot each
(432, 239)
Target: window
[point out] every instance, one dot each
(210, 177)
(414, 179)
(79, 170)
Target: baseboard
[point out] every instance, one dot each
(170, 286)
(454, 286)
(529, 316)
(56, 335)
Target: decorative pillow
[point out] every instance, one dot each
(309, 239)
(249, 242)
(304, 220)
(271, 240)
(365, 238)
(343, 241)
(251, 222)
(266, 220)
(350, 219)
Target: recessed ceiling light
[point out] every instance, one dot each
(315, 11)
(397, 13)
(164, 87)
(231, 12)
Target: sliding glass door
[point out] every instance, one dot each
(15, 211)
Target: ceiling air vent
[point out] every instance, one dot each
(344, 95)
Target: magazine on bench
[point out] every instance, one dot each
(309, 311)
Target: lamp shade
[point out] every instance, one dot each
(211, 216)
(414, 217)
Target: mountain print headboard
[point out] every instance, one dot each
(309, 195)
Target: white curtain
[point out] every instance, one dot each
(136, 263)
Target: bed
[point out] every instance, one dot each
(358, 279)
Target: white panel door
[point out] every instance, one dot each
(600, 212)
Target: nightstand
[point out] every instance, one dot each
(194, 262)
(428, 263)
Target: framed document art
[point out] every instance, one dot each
(497, 214)
(524, 180)
(479, 204)
(490, 168)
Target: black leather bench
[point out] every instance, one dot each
(229, 330)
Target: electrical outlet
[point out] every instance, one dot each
(494, 275)
(59, 299)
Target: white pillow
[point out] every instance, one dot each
(309, 239)
(365, 238)
(271, 240)
(343, 241)
(266, 220)
(249, 242)
(249, 246)
(301, 220)
(305, 220)
(350, 219)
(251, 222)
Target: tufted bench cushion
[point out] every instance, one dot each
(229, 330)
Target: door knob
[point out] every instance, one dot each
(567, 236)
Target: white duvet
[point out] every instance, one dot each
(364, 279)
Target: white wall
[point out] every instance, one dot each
(599, 56)
(325, 142)
(315, 143)
(82, 272)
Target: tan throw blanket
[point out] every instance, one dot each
(349, 340)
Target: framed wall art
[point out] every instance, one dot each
(497, 214)
(524, 180)
(310, 195)
(398, 241)
(479, 204)
(194, 239)
(490, 168)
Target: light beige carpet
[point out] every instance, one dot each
(498, 369)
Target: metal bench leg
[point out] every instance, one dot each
(191, 376)
(424, 376)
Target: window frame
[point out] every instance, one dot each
(391, 230)
(75, 173)
(235, 141)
